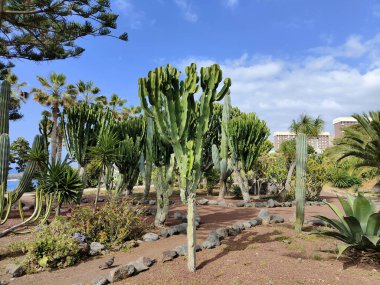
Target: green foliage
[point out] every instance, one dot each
(236, 191)
(67, 21)
(272, 169)
(52, 246)
(115, 223)
(288, 150)
(307, 125)
(62, 181)
(362, 141)
(20, 153)
(359, 228)
(212, 176)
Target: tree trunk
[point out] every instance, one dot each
(191, 233)
(58, 209)
(301, 160)
(244, 187)
(55, 111)
(83, 176)
(223, 189)
(122, 185)
(283, 193)
(59, 142)
(98, 192)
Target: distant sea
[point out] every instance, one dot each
(12, 184)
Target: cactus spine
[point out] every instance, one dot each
(173, 107)
(222, 163)
(301, 160)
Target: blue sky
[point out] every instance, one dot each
(284, 57)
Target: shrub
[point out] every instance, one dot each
(342, 179)
(113, 224)
(359, 229)
(236, 191)
(212, 176)
(52, 246)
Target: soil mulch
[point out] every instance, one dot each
(272, 254)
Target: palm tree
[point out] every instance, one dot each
(87, 91)
(55, 94)
(104, 154)
(362, 141)
(116, 101)
(17, 96)
(306, 127)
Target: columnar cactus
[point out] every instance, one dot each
(146, 163)
(301, 162)
(8, 199)
(221, 160)
(172, 106)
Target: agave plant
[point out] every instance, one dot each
(360, 227)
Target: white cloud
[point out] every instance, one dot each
(134, 16)
(231, 3)
(325, 84)
(187, 11)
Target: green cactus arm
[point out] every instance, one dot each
(5, 97)
(215, 157)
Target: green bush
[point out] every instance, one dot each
(52, 246)
(115, 223)
(212, 179)
(342, 179)
(359, 229)
(236, 191)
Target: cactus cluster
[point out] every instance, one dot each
(173, 108)
(221, 160)
(7, 199)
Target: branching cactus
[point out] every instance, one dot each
(172, 105)
(146, 160)
(222, 161)
(301, 162)
(8, 199)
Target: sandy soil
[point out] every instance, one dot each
(257, 256)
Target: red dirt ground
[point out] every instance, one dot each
(257, 256)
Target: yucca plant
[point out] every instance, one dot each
(359, 229)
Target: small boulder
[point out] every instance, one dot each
(253, 222)
(178, 216)
(270, 203)
(85, 200)
(233, 231)
(277, 204)
(222, 233)
(121, 273)
(317, 223)
(96, 248)
(182, 249)
(211, 241)
(28, 208)
(173, 231)
(222, 203)
(247, 225)
(276, 219)
(100, 281)
(288, 204)
(164, 233)
(240, 204)
(101, 199)
(150, 237)
(249, 204)
(264, 216)
(168, 255)
(203, 201)
(152, 202)
(213, 202)
(15, 270)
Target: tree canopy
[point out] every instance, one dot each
(42, 30)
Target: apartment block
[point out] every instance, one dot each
(319, 144)
(342, 122)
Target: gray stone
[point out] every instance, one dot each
(276, 219)
(260, 204)
(211, 241)
(264, 216)
(270, 203)
(2, 282)
(253, 222)
(15, 270)
(96, 248)
(249, 204)
(277, 204)
(212, 202)
(182, 249)
(222, 203)
(240, 204)
(27, 208)
(178, 216)
(317, 223)
(182, 228)
(233, 231)
(247, 225)
(173, 230)
(164, 233)
(101, 199)
(197, 219)
(231, 204)
(203, 201)
(152, 202)
(288, 204)
(100, 281)
(222, 233)
(85, 200)
(150, 237)
(121, 273)
(146, 261)
(168, 255)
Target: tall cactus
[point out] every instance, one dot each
(221, 160)
(173, 106)
(8, 199)
(146, 163)
(301, 162)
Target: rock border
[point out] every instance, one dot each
(271, 203)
